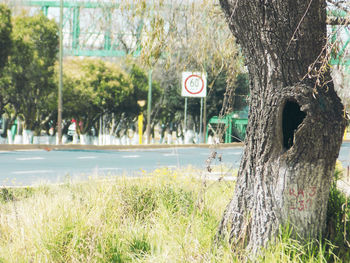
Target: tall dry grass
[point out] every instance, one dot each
(166, 216)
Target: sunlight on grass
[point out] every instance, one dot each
(155, 218)
(169, 215)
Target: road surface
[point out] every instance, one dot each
(39, 166)
(28, 167)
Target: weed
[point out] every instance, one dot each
(113, 250)
(140, 246)
(177, 200)
(12, 194)
(139, 202)
(149, 219)
(338, 223)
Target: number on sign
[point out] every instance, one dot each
(194, 83)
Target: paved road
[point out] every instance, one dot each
(35, 166)
(344, 154)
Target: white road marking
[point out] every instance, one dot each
(111, 168)
(170, 154)
(33, 172)
(130, 156)
(234, 153)
(87, 157)
(29, 150)
(30, 158)
(166, 166)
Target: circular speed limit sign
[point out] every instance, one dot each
(193, 84)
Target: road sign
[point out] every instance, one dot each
(194, 84)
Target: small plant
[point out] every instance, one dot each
(12, 194)
(139, 202)
(114, 252)
(177, 200)
(338, 219)
(140, 246)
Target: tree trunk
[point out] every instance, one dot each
(295, 124)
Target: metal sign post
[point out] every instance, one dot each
(201, 122)
(185, 121)
(149, 102)
(60, 80)
(204, 120)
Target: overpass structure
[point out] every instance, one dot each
(339, 20)
(104, 29)
(100, 28)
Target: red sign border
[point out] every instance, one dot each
(198, 92)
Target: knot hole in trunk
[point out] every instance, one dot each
(292, 117)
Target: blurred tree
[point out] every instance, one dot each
(5, 44)
(177, 36)
(140, 80)
(188, 36)
(5, 34)
(170, 109)
(29, 72)
(94, 89)
(241, 92)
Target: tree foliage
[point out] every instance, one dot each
(182, 36)
(173, 36)
(95, 88)
(140, 81)
(5, 34)
(28, 76)
(197, 40)
(5, 44)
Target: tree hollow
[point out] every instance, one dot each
(291, 119)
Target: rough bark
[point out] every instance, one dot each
(295, 123)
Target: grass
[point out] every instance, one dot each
(162, 217)
(153, 219)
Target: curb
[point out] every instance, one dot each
(48, 147)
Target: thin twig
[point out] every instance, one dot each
(301, 20)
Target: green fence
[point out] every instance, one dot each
(229, 128)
